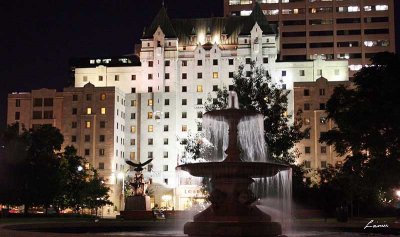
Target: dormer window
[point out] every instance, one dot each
(158, 42)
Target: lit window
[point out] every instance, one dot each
(184, 128)
(133, 129)
(199, 88)
(89, 110)
(88, 124)
(149, 102)
(150, 128)
(132, 155)
(381, 7)
(103, 111)
(103, 96)
(215, 74)
(150, 115)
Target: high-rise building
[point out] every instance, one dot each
(351, 30)
(145, 110)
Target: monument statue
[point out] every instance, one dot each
(139, 186)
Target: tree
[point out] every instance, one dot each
(95, 193)
(367, 128)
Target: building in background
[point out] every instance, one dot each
(351, 30)
(121, 109)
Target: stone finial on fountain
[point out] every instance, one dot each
(233, 101)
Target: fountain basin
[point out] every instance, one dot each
(233, 169)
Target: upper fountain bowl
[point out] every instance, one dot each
(233, 169)
(226, 114)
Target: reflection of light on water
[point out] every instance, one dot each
(149, 233)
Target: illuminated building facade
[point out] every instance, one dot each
(351, 30)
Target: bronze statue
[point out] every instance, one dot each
(139, 185)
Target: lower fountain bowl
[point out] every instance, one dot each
(233, 169)
(233, 229)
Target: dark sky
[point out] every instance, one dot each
(38, 37)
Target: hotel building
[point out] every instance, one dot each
(141, 107)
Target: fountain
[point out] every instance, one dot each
(231, 212)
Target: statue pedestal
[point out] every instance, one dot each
(137, 203)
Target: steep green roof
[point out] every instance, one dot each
(258, 16)
(161, 20)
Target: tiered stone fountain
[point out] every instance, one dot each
(231, 212)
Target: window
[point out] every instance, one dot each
(102, 138)
(166, 115)
(306, 106)
(184, 63)
(150, 76)
(319, 72)
(215, 62)
(150, 63)
(230, 61)
(265, 60)
(133, 90)
(165, 168)
(307, 121)
(322, 120)
(165, 141)
(88, 124)
(199, 75)
(307, 150)
(84, 78)
(100, 78)
(166, 128)
(215, 74)
(73, 138)
(307, 164)
(149, 115)
(184, 128)
(307, 135)
(88, 110)
(133, 103)
(199, 62)
(74, 111)
(17, 115)
(199, 88)
(184, 88)
(248, 60)
(101, 152)
(116, 77)
(150, 141)
(166, 180)
(133, 129)
(302, 73)
(88, 97)
(166, 101)
(230, 87)
(306, 92)
(167, 63)
(149, 154)
(74, 125)
(230, 74)
(165, 155)
(199, 127)
(284, 73)
(133, 77)
(133, 115)
(184, 101)
(166, 89)
(166, 76)
(87, 138)
(103, 96)
(37, 102)
(149, 102)
(199, 114)
(323, 149)
(37, 115)
(103, 110)
(87, 152)
(322, 106)
(323, 164)
(149, 89)
(199, 101)
(184, 76)
(101, 165)
(74, 97)
(284, 86)
(48, 101)
(321, 92)
(17, 103)
(184, 114)
(150, 128)
(48, 114)
(215, 88)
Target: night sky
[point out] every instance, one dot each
(37, 37)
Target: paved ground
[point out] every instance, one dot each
(114, 228)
